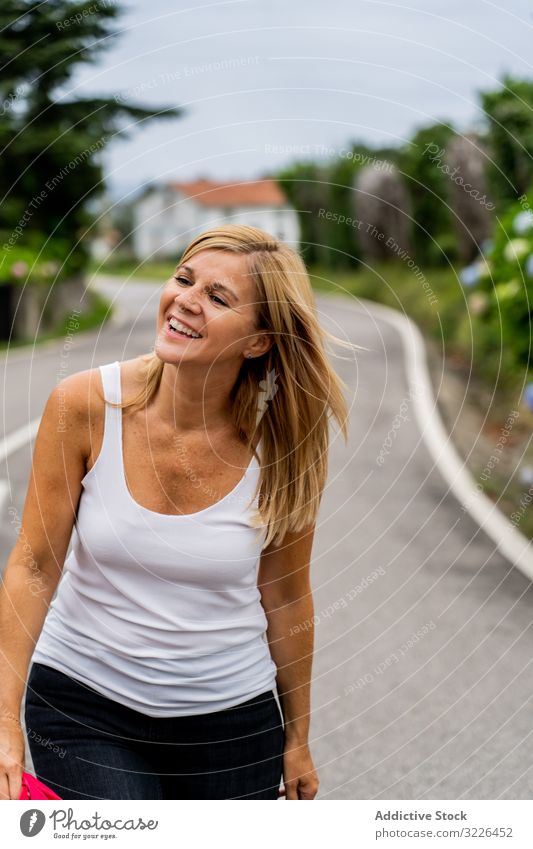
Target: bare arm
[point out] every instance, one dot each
(286, 597)
(36, 561)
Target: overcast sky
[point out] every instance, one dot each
(261, 77)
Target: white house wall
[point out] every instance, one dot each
(166, 221)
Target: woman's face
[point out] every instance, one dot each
(212, 294)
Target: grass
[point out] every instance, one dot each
(452, 331)
(434, 301)
(159, 270)
(438, 304)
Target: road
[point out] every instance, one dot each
(422, 684)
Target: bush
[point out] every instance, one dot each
(502, 289)
(35, 259)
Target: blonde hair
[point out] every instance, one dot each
(294, 423)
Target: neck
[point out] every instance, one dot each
(188, 400)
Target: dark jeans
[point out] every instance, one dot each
(86, 746)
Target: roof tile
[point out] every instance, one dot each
(265, 192)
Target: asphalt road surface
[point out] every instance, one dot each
(422, 684)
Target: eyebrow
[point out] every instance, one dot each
(215, 284)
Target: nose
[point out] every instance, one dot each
(187, 300)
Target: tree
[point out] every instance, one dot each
(419, 162)
(305, 184)
(322, 194)
(383, 207)
(467, 190)
(345, 239)
(52, 148)
(509, 112)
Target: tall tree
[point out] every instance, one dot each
(509, 112)
(382, 205)
(51, 143)
(323, 195)
(345, 238)
(421, 163)
(305, 184)
(466, 160)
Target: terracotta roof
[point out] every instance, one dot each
(251, 193)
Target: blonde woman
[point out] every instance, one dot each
(192, 477)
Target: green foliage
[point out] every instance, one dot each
(316, 189)
(503, 283)
(433, 235)
(52, 149)
(509, 112)
(341, 237)
(39, 260)
(305, 185)
(395, 285)
(127, 268)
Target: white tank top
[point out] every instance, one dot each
(159, 612)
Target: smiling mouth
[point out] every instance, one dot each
(176, 332)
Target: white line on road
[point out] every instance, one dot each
(513, 544)
(18, 439)
(4, 493)
(11, 443)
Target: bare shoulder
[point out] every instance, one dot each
(74, 395)
(132, 374)
(79, 404)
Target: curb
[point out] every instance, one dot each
(511, 542)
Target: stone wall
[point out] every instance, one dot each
(35, 310)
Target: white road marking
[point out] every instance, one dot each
(4, 494)
(18, 438)
(11, 443)
(512, 543)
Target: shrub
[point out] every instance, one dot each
(503, 279)
(36, 260)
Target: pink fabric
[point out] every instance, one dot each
(32, 788)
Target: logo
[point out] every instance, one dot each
(32, 822)
(268, 390)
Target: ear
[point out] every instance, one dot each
(261, 344)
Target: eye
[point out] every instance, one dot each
(186, 280)
(220, 301)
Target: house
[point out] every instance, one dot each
(167, 217)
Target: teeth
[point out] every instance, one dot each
(176, 325)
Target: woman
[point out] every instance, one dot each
(192, 477)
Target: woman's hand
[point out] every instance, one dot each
(12, 752)
(299, 775)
